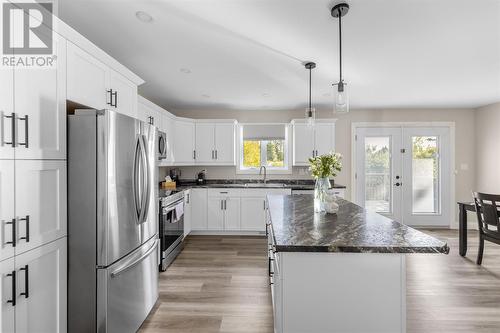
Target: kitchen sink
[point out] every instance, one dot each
(267, 185)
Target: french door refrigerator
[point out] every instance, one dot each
(112, 214)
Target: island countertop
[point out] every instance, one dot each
(296, 228)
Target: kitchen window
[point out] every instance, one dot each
(264, 145)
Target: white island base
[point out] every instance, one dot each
(325, 292)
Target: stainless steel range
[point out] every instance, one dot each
(171, 219)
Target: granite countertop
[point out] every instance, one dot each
(302, 184)
(297, 228)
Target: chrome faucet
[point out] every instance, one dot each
(265, 173)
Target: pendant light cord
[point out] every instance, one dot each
(340, 44)
(310, 84)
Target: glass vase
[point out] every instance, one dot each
(320, 192)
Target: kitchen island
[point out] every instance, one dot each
(341, 272)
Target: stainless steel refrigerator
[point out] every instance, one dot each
(112, 222)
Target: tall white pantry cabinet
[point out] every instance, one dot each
(33, 230)
(33, 174)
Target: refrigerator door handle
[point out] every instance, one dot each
(146, 188)
(132, 262)
(135, 178)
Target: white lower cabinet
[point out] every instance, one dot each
(199, 208)
(253, 213)
(40, 202)
(7, 294)
(232, 214)
(187, 212)
(215, 213)
(224, 213)
(41, 289)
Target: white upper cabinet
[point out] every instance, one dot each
(122, 94)
(40, 106)
(324, 138)
(86, 79)
(41, 304)
(184, 143)
(225, 137)
(205, 143)
(6, 111)
(303, 143)
(40, 202)
(311, 141)
(7, 212)
(169, 129)
(93, 84)
(215, 143)
(149, 114)
(7, 295)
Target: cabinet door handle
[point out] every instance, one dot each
(27, 235)
(225, 204)
(12, 130)
(110, 92)
(13, 222)
(194, 154)
(26, 293)
(313, 153)
(213, 155)
(264, 204)
(316, 153)
(13, 300)
(222, 204)
(188, 198)
(116, 99)
(26, 131)
(216, 154)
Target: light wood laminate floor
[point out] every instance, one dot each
(219, 284)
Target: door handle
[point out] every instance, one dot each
(194, 154)
(116, 99)
(216, 154)
(221, 205)
(26, 132)
(225, 204)
(12, 130)
(213, 155)
(27, 235)
(13, 295)
(132, 263)
(135, 180)
(13, 242)
(146, 188)
(316, 153)
(26, 293)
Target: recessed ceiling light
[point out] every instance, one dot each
(185, 70)
(205, 96)
(143, 17)
(327, 94)
(265, 95)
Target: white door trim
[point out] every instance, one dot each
(452, 171)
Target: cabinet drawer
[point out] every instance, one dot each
(224, 192)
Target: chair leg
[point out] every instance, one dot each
(480, 251)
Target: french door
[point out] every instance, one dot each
(404, 173)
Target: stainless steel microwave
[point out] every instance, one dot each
(162, 145)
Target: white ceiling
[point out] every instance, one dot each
(248, 54)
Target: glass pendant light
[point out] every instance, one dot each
(341, 93)
(310, 111)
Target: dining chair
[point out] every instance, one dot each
(487, 210)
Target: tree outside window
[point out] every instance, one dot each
(268, 153)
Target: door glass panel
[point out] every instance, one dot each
(425, 175)
(378, 174)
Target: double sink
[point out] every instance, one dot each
(252, 185)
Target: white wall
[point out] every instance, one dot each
(488, 149)
(463, 118)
